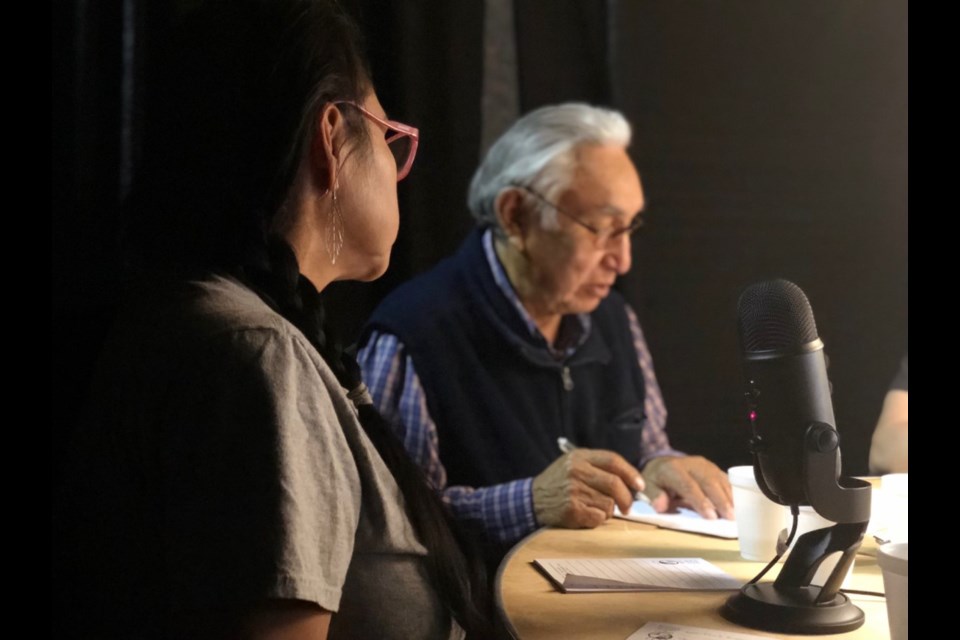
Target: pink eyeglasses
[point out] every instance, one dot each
(401, 138)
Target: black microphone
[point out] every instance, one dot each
(787, 386)
(795, 441)
(796, 452)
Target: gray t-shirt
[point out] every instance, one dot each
(223, 464)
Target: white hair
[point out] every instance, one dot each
(539, 151)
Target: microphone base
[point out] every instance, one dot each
(791, 610)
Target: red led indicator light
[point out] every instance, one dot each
(753, 416)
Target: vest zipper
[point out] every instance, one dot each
(567, 378)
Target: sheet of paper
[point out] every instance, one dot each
(636, 574)
(664, 631)
(683, 520)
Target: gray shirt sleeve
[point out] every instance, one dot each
(262, 500)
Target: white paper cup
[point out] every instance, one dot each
(810, 520)
(892, 558)
(893, 495)
(759, 519)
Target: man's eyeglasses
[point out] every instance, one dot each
(401, 138)
(602, 236)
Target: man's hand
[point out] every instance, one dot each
(580, 488)
(690, 481)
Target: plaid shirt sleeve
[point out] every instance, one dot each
(654, 441)
(505, 510)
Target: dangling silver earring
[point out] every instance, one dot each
(334, 236)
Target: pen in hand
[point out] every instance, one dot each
(566, 447)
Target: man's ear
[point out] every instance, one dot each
(326, 152)
(514, 216)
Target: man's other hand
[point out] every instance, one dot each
(689, 481)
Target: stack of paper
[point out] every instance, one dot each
(680, 632)
(682, 520)
(636, 574)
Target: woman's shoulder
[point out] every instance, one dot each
(222, 304)
(202, 330)
(239, 326)
(210, 312)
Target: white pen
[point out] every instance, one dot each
(566, 447)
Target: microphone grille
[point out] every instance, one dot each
(775, 315)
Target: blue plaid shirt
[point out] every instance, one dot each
(506, 510)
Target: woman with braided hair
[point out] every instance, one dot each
(232, 478)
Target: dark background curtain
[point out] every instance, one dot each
(771, 139)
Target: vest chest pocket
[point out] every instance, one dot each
(624, 434)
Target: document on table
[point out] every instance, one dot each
(588, 575)
(682, 520)
(662, 630)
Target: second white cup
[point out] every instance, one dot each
(759, 519)
(892, 558)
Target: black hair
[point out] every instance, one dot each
(233, 98)
(237, 95)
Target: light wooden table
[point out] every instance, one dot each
(532, 609)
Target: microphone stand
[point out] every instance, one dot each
(791, 604)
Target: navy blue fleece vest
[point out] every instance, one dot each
(499, 399)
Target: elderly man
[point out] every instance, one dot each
(516, 348)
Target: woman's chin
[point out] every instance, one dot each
(372, 269)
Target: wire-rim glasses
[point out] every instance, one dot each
(603, 236)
